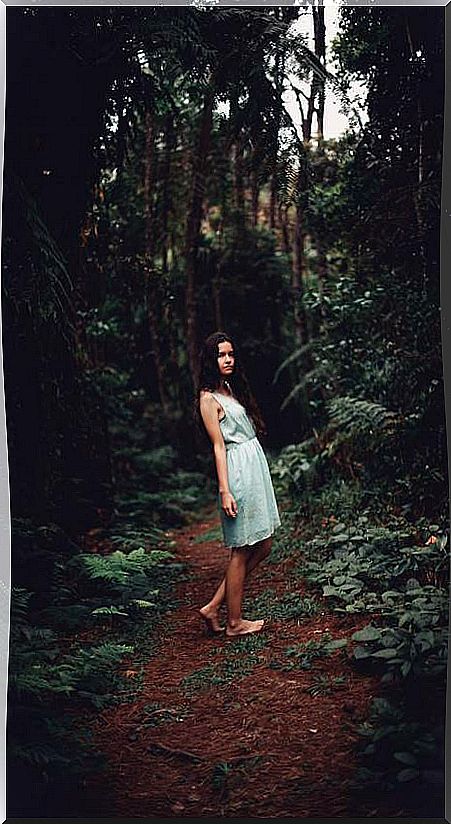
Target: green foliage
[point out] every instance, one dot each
(363, 425)
(213, 534)
(153, 714)
(398, 574)
(239, 658)
(44, 680)
(296, 468)
(415, 647)
(226, 775)
(395, 749)
(303, 655)
(117, 568)
(289, 606)
(123, 594)
(129, 537)
(324, 685)
(363, 390)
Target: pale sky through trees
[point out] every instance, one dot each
(335, 122)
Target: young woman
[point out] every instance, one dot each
(248, 507)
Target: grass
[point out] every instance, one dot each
(212, 534)
(153, 714)
(302, 655)
(226, 775)
(237, 659)
(324, 685)
(290, 606)
(285, 545)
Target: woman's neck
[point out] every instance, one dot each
(224, 387)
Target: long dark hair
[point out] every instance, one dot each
(209, 377)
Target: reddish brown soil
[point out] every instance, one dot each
(304, 745)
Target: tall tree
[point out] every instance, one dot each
(151, 274)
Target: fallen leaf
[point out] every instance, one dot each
(177, 807)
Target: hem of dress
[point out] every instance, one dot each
(238, 546)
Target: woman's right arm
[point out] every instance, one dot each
(209, 413)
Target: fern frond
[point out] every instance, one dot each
(293, 358)
(313, 373)
(360, 424)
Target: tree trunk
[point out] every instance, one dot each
(193, 228)
(300, 330)
(237, 163)
(150, 274)
(321, 262)
(319, 29)
(316, 85)
(283, 220)
(255, 197)
(238, 179)
(417, 192)
(273, 195)
(279, 74)
(166, 197)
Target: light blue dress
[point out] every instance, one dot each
(249, 479)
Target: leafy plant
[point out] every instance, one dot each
(324, 685)
(304, 655)
(290, 606)
(237, 661)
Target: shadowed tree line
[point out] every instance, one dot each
(157, 187)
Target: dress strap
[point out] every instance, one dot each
(218, 395)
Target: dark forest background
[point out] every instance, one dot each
(155, 189)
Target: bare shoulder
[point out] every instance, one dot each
(207, 398)
(208, 402)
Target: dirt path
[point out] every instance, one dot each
(251, 743)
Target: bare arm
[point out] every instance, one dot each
(209, 412)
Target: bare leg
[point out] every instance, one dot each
(235, 577)
(253, 557)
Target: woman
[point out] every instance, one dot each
(246, 499)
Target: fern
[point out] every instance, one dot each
(41, 680)
(39, 754)
(119, 566)
(112, 610)
(20, 602)
(131, 538)
(293, 358)
(360, 423)
(301, 385)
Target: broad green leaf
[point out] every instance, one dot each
(360, 652)
(408, 774)
(368, 633)
(336, 644)
(406, 667)
(328, 590)
(385, 653)
(405, 758)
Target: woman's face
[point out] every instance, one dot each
(226, 359)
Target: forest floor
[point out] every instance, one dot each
(232, 727)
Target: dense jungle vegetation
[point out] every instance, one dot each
(157, 188)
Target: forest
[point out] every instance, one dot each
(168, 172)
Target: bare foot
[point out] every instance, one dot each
(211, 619)
(245, 627)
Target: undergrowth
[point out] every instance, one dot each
(85, 619)
(228, 664)
(355, 547)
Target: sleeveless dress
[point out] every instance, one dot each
(249, 479)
